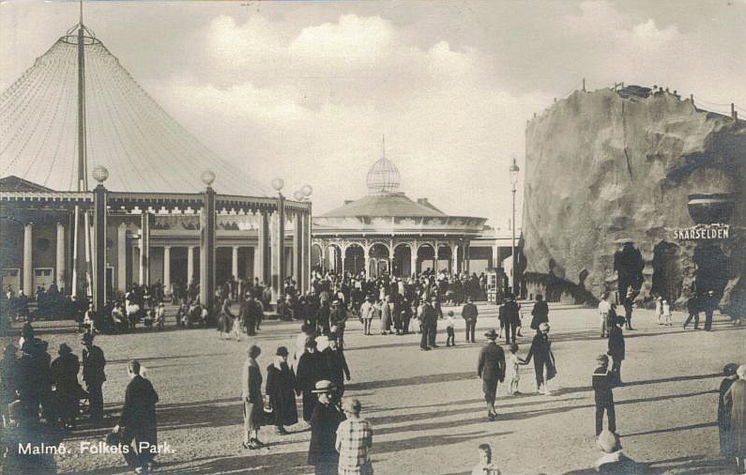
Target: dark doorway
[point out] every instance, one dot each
(712, 268)
(666, 271)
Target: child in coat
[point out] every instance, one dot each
(450, 331)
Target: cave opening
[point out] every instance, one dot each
(667, 279)
(712, 268)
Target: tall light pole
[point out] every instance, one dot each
(513, 171)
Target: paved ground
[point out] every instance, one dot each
(426, 407)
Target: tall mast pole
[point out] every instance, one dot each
(82, 159)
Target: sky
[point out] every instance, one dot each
(305, 90)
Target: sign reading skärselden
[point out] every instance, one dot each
(703, 232)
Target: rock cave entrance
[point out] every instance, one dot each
(712, 268)
(667, 278)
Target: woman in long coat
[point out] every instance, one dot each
(386, 316)
(311, 368)
(280, 389)
(542, 354)
(225, 320)
(736, 397)
(540, 313)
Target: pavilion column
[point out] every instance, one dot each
(264, 273)
(278, 249)
(466, 256)
(145, 248)
(99, 263)
(190, 264)
(454, 259)
(166, 269)
(207, 249)
(436, 257)
(298, 249)
(28, 241)
(307, 223)
(60, 260)
(234, 262)
(122, 258)
(413, 258)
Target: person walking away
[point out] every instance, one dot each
(426, 313)
(281, 391)
(325, 420)
(469, 314)
(94, 376)
(629, 306)
(603, 382)
(735, 396)
(724, 411)
(64, 373)
(709, 305)
(253, 403)
(432, 331)
(540, 312)
(225, 319)
(617, 349)
(312, 368)
(502, 316)
(485, 465)
(354, 441)
(513, 375)
(491, 368)
(337, 365)
(693, 307)
(541, 352)
(450, 331)
(367, 312)
(137, 425)
(512, 319)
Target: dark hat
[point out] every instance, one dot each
(513, 347)
(64, 349)
(602, 359)
(491, 335)
(281, 351)
(730, 369)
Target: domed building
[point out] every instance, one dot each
(387, 232)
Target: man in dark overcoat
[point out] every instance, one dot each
(312, 368)
(491, 368)
(322, 453)
(138, 422)
(469, 314)
(64, 374)
(337, 364)
(512, 319)
(94, 376)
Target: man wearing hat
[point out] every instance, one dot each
(426, 317)
(603, 383)
(367, 311)
(469, 314)
(337, 364)
(94, 376)
(64, 374)
(491, 369)
(312, 367)
(326, 418)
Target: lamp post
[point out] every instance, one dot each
(513, 171)
(278, 242)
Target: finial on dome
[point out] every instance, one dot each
(383, 141)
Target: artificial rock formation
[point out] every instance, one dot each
(604, 167)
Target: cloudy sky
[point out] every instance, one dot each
(305, 90)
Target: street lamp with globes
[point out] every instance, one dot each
(513, 171)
